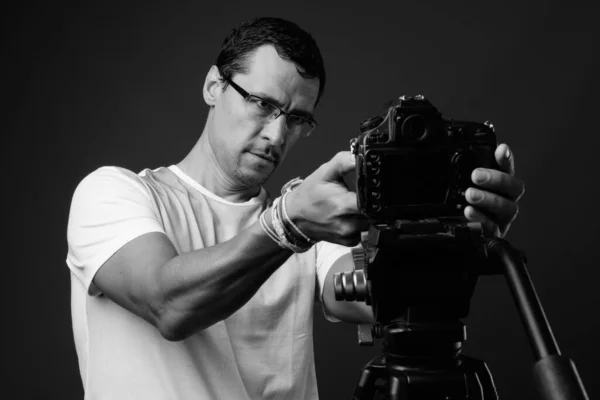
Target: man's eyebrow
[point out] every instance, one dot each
(270, 99)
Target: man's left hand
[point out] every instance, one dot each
(495, 204)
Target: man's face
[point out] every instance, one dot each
(247, 150)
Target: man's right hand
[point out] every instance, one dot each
(324, 208)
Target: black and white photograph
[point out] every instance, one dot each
(384, 200)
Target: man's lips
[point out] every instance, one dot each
(265, 156)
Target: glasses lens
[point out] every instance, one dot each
(299, 125)
(258, 108)
(306, 129)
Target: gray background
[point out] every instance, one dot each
(104, 83)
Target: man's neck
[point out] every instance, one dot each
(202, 166)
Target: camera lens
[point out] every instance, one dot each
(414, 128)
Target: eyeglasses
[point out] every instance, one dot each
(266, 112)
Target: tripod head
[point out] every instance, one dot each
(419, 277)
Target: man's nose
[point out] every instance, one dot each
(276, 131)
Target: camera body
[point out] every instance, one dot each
(413, 164)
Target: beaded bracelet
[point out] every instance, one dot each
(268, 230)
(282, 233)
(294, 239)
(289, 221)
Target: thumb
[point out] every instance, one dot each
(505, 159)
(341, 164)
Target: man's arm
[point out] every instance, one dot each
(348, 311)
(181, 294)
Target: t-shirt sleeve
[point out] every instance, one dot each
(110, 207)
(327, 254)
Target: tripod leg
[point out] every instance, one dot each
(479, 380)
(398, 388)
(365, 388)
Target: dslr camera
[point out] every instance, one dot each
(413, 164)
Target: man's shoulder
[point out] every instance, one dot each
(115, 175)
(111, 174)
(109, 181)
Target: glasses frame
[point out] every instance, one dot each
(311, 122)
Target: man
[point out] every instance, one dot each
(184, 284)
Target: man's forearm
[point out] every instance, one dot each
(205, 286)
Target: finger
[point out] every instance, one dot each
(348, 203)
(498, 182)
(504, 158)
(356, 225)
(489, 225)
(501, 208)
(335, 169)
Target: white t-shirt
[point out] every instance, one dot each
(263, 351)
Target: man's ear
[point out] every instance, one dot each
(213, 87)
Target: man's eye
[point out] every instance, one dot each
(263, 105)
(296, 120)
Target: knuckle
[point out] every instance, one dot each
(338, 156)
(347, 231)
(503, 179)
(342, 153)
(500, 201)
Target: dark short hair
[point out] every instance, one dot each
(291, 42)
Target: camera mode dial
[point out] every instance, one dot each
(370, 123)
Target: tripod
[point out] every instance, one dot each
(424, 371)
(419, 277)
